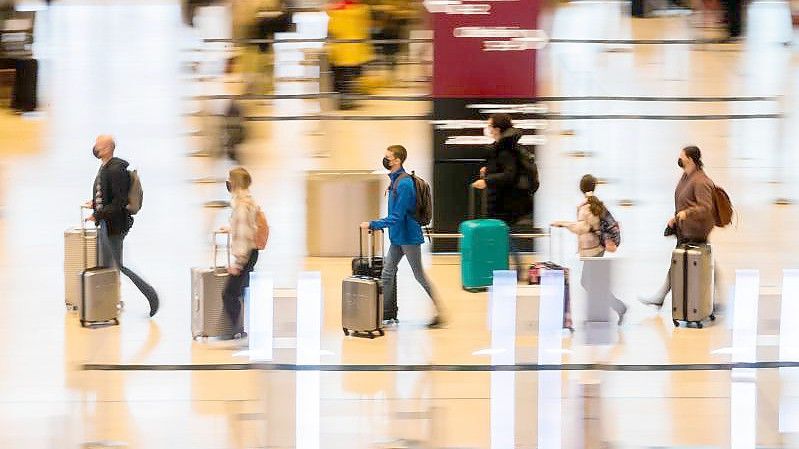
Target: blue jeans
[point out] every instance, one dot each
(109, 254)
(389, 277)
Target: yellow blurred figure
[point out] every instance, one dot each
(349, 20)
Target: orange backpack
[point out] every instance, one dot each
(262, 234)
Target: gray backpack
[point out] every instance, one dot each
(135, 193)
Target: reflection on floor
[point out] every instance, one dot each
(103, 71)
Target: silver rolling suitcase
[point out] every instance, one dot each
(692, 284)
(80, 253)
(362, 300)
(208, 316)
(99, 297)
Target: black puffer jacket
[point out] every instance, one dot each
(114, 183)
(505, 200)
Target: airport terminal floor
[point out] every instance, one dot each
(496, 376)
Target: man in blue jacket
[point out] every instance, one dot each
(405, 235)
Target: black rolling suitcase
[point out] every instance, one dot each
(370, 267)
(25, 85)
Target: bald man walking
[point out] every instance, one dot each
(110, 201)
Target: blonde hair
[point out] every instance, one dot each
(239, 179)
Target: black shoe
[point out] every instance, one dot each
(437, 323)
(154, 304)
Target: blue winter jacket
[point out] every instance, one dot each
(403, 229)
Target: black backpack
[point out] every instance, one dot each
(423, 214)
(528, 176)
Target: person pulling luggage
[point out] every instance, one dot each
(509, 183)
(593, 223)
(405, 235)
(695, 212)
(112, 216)
(249, 232)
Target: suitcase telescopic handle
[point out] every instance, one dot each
(83, 230)
(473, 202)
(83, 216)
(370, 247)
(216, 246)
(472, 205)
(560, 246)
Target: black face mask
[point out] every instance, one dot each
(680, 163)
(386, 163)
(95, 152)
(227, 184)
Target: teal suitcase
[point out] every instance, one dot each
(484, 248)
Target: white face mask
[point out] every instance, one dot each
(488, 132)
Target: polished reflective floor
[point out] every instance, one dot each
(484, 381)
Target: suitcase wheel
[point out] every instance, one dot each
(371, 336)
(346, 332)
(116, 321)
(381, 332)
(699, 325)
(712, 317)
(676, 323)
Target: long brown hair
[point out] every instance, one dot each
(695, 154)
(588, 184)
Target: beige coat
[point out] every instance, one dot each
(587, 229)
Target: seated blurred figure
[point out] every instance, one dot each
(387, 27)
(188, 9)
(7, 8)
(259, 19)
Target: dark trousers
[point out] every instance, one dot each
(517, 245)
(110, 255)
(515, 254)
(734, 17)
(344, 80)
(234, 288)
